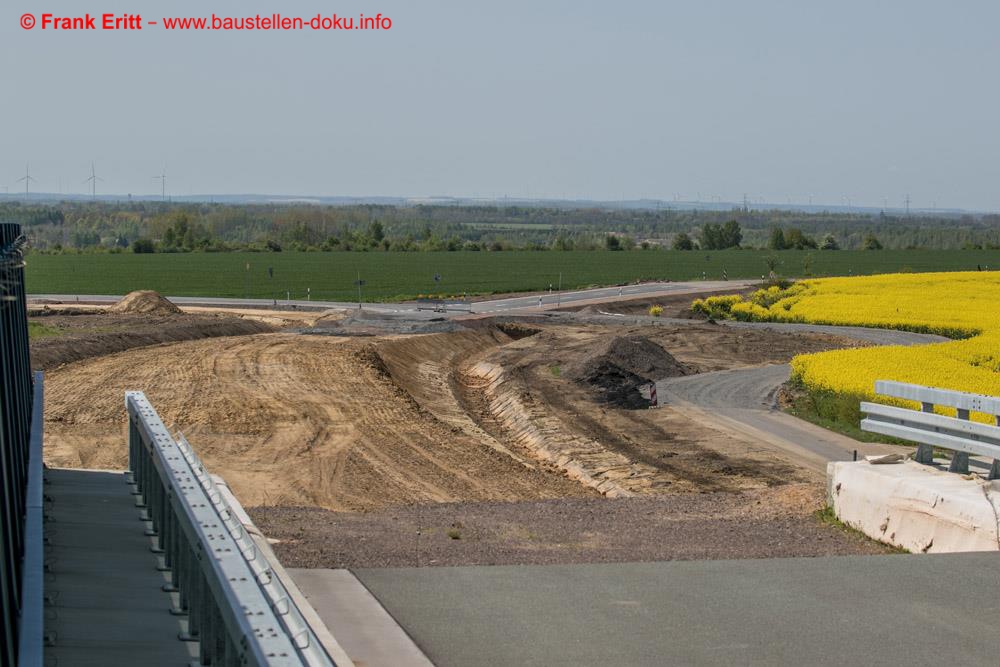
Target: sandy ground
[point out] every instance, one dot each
(286, 419)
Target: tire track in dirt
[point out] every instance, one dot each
(287, 420)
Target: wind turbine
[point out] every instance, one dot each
(27, 180)
(163, 184)
(93, 181)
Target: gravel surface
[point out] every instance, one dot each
(757, 524)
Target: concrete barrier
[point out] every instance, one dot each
(918, 507)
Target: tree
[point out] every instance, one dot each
(143, 246)
(611, 242)
(871, 242)
(732, 235)
(829, 243)
(376, 232)
(777, 240)
(712, 237)
(796, 240)
(683, 242)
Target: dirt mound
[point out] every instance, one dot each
(146, 302)
(288, 419)
(618, 369)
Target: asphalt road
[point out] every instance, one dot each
(456, 309)
(744, 400)
(847, 610)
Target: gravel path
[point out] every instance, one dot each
(776, 522)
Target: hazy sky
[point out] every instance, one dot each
(545, 99)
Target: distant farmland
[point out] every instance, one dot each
(393, 276)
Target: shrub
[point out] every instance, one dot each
(143, 246)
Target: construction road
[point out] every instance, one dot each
(744, 400)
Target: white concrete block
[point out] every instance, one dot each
(917, 507)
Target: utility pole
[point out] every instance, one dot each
(906, 203)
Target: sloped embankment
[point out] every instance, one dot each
(544, 435)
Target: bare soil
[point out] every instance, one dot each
(84, 335)
(667, 451)
(753, 524)
(349, 445)
(286, 419)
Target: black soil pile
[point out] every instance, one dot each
(620, 368)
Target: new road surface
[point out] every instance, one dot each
(744, 400)
(543, 300)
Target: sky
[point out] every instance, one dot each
(783, 101)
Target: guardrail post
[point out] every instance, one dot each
(925, 453)
(960, 460)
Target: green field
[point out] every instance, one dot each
(390, 276)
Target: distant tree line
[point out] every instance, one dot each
(165, 227)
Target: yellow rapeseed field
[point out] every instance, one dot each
(958, 305)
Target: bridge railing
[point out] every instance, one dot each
(958, 434)
(21, 561)
(237, 608)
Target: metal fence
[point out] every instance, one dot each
(237, 608)
(20, 466)
(929, 429)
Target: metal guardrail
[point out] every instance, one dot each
(930, 430)
(237, 608)
(20, 467)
